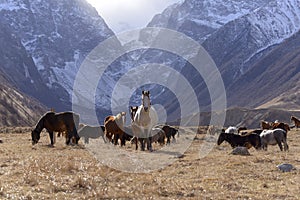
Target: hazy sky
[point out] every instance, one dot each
(121, 15)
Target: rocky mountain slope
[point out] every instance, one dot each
(253, 43)
(240, 37)
(17, 108)
(44, 43)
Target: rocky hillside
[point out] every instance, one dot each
(17, 108)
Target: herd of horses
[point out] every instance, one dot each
(144, 129)
(270, 133)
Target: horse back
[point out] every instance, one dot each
(62, 121)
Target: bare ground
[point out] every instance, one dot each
(73, 172)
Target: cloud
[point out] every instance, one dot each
(135, 13)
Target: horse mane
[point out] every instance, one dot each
(295, 119)
(118, 118)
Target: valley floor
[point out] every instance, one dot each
(73, 172)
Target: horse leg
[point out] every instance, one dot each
(116, 137)
(136, 143)
(279, 143)
(142, 141)
(51, 137)
(286, 146)
(122, 138)
(68, 138)
(75, 134)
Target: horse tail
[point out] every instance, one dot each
(257, 141)
(76, 121)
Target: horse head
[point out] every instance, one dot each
(221, 138)
(35, 136)
(146, 100)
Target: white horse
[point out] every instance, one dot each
(144, 120)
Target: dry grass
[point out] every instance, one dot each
(70, 172)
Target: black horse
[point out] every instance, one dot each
(57, 122)
(237, 140)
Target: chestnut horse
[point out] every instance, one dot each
(57, 122)
(114, 127)
(265, 125)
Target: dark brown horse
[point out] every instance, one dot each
(296, 121)
(133, 110)
(237, 140)
(57, 122)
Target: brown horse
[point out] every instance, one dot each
(281, 125)
(114, 127)
(265, 125)
(57, 122)
(296, 121)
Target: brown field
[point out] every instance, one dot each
(71, 172)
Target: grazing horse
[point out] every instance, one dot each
(170, 132)
(114, 127)
(91, 132)
(133, 110)
(238, 140)
(296, 121)
(57, 122)
(273, 137)
(265, 125)
(145, 119)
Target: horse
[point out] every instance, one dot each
(296, 121)
(158, 135)
(57, 122)
(232, 129)
(265, 125)
(242, 129)
(170, 132)
(145, 119)
(133, 110)
(94, 132)
(240, 140)
(114, 127)
(281, 125)
(273, 137)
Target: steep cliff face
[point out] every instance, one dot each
(51, 38)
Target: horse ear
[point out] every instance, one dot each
(143, 92)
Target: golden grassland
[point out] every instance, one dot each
(71, 172)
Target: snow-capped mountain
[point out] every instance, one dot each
(43, 44)
(236, 34)
(54, 36)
